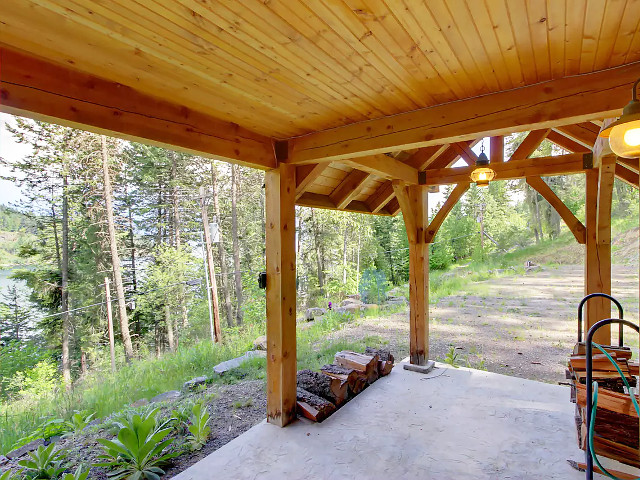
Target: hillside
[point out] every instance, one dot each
(16, 229)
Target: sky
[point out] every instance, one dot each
(11, 152)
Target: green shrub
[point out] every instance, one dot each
(45, 463)
(199, 427)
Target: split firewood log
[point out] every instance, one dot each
(385, 364)
(330, 388)
(366, 364)
(355, 380)
(313, 406)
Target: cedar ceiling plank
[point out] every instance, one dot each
(544, 105)
(529, 144)
(315, 200)
(424, 156)
(565, 142)
(393, 207)
(349, 188)
(629, 163)
(627, 175)
(306, 175)
(381, 197)
(579, 133)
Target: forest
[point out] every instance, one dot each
(105, 218)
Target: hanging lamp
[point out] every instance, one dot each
(624, 134)
(482, 174)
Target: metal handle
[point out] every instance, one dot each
(590, 333)
(603, 295)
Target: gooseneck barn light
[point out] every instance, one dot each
(482, 174)
(624, 134)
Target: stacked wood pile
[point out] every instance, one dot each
(322, 393)
(616, 430)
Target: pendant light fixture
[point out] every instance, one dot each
(482, 174)
(624, 134)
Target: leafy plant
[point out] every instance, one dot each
(45, 462)
(11, 475)
(451, 357)
(77, 475)
(46, 430)
(199, 427)
(180, 417)
(138, 450)
(78, 422)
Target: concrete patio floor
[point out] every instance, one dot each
(449, 424)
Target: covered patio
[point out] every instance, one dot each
(363, 107)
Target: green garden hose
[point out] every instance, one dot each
(592, 422)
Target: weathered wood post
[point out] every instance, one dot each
(414, 205)
(280, 186)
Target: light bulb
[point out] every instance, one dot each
(632, 137)
(482, 176)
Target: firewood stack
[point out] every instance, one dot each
(322, 393)
(616, 430)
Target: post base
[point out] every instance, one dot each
(420, 368)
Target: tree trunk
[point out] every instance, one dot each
(115, 259)
(54, 222)
(344, 256)
(176, 234)
(134, 278)
(64, 274)
(316, 241)
(169, 324)
(224, 270)
(236, 242)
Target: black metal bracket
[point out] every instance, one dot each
(603, 295)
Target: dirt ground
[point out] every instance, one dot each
(523, 326)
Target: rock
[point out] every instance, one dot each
(23, 450)
(355, 296)
(397, 301)
(312, 313)
(350, 301)
(351, 308)
(140, 403)
(260, 343)
(236, 362)
(166, 396)
(193, 383)
(369, 308)
(3, 460)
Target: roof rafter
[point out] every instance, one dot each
(544, 105)
(349, 188)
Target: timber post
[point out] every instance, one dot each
(414, 204)
(280, 192)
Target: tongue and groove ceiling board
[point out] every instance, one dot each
(283, 69)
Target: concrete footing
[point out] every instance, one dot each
(420, 368)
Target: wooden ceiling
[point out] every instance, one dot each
(261, 71)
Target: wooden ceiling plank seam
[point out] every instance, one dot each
(575, 23)
(362, 42)
(556, 20)
(443, 28)
(261, 31)
(160, 49)
(611, 24)
(327, 39)
(529, 144)
(566, 143)
(378, 23)
(467, 30)
(411, 25)
(592, 27)
(569, 164)
(521, 33)
(349, 188)
(61, 94)
(367, 37)
(252, 57)
(67, 37)
(501, 25)
(486, 31)
(539, 31)
(381, 197)
(324, 55)
(544, 105)
(627, 175)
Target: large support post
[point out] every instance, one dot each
(413, 202)
(599, 188)
(280, 185)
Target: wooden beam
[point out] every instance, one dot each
(541, 166)
(49, 92)
(385, 167)
(448, 156)
(280, 188)
(605, 198)
(629, 163)
(424, 156)
(581, 133)
(577, 228)
(316, 200)
(381, 197)
(393, 207)
(406, 206)
(529, 144)
(465, 152)
(627, 175)
(566, 143)
(496, 147)
(306, 175)
(544, 105)
(349, 188)
(444, 211)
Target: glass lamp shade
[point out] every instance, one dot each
(624, 139)
(482, 176)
